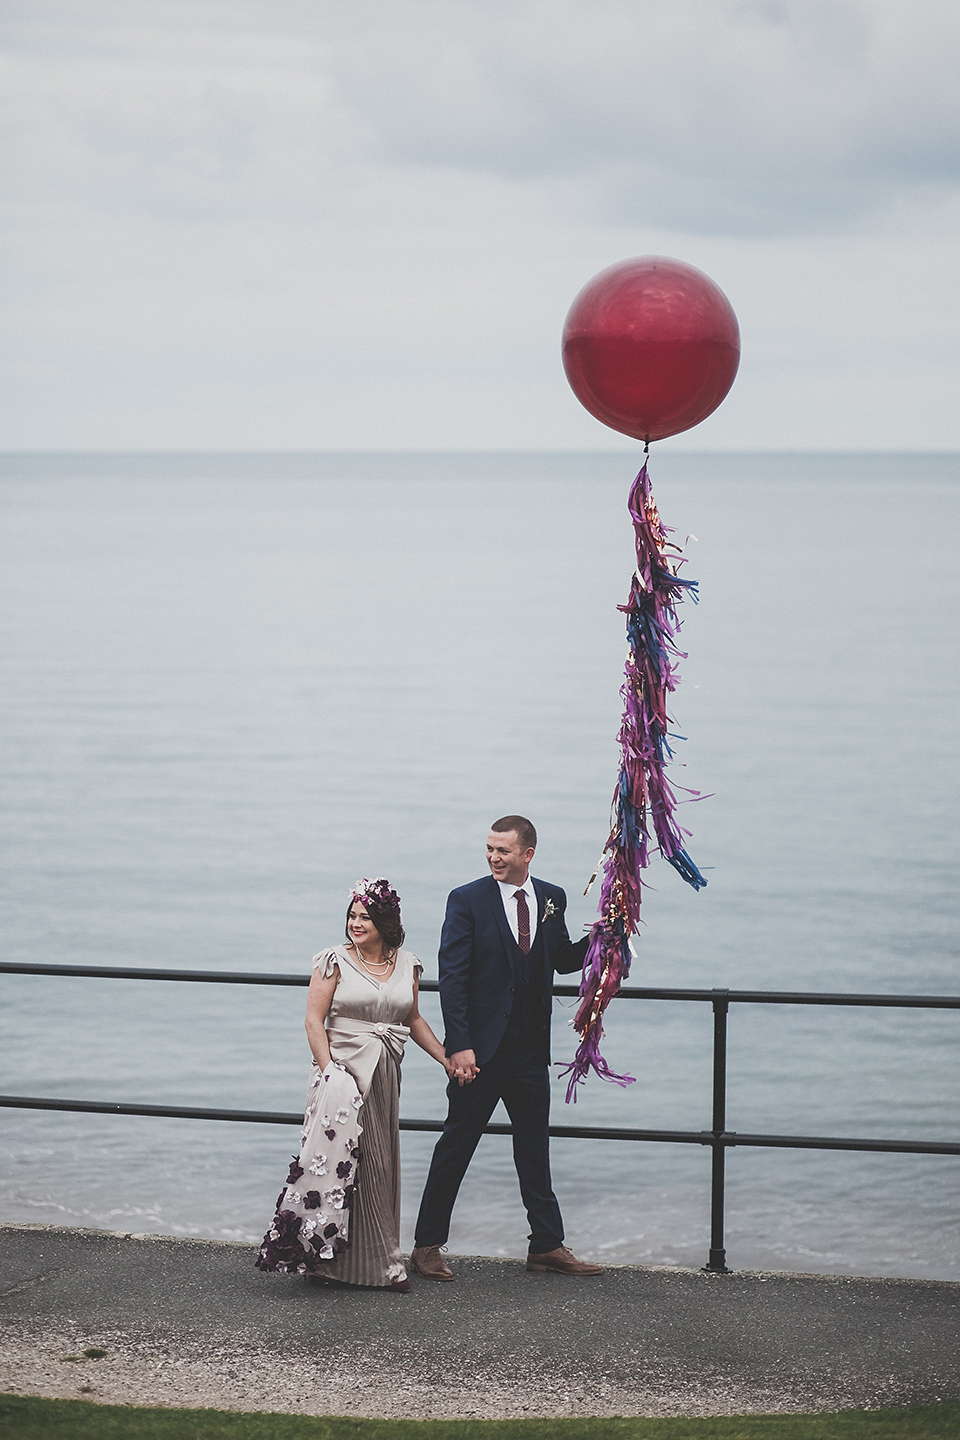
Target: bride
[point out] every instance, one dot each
(338, 1215)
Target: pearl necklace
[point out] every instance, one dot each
(383, 965)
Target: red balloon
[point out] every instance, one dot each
(651, 346)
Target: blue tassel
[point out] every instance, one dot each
(685, 867)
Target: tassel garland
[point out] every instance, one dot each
(644, 798)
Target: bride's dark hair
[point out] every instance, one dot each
(382, 904)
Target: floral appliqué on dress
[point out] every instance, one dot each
(313, 1225)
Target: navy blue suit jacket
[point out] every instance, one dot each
(479, 961)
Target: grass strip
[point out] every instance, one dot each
(33, 1418)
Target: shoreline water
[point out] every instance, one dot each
(214, 720)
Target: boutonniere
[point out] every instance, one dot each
(548, 909)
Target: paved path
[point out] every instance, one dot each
(189, 1322)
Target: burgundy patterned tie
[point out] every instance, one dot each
(523, 921)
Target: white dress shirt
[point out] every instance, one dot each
(507, 893)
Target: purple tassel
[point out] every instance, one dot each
(644, 798)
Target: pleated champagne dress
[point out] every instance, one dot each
(350, 1232)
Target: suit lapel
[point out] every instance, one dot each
(539, 894)
(541, 936)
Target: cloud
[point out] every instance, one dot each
(294, 223)
(177, 125)
(704, 115)
(707, 116)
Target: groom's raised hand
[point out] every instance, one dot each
(464, 1067)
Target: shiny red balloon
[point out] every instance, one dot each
(651, 347)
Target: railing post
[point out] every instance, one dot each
(717, 1263)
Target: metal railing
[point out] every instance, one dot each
(718, 1138)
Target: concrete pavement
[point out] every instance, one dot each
(187, 1322)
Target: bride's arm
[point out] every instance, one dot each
(420, 1032)
(319, 999)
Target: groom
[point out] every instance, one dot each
(502, 939)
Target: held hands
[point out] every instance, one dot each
(462, 1066)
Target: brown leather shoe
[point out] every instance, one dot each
(561, 1260)
(428, 1262)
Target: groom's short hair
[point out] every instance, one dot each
(526, 833)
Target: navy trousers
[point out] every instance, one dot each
(518, 1076)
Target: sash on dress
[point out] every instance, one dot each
(358, 1044)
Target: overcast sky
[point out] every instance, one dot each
(285, 225)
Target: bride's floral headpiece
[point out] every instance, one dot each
(378, 895)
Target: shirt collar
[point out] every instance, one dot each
(508, 891)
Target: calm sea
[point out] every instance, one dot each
(235, 684)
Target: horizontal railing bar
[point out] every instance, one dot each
(560, 1132)
(838, 1142)
(290, 1117)
(744, 997)
(585, 1132)
(136, 972)
(780, 997)
(171, 1112)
